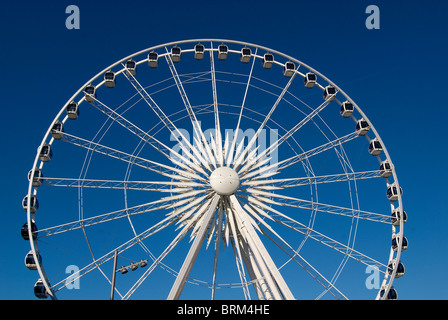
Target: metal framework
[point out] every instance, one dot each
(257, 206)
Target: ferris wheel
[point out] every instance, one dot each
(213, 169)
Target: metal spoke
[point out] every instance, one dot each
(287, 201)
(183, 142)
(160, 204)
(197, 129)
(126, 157)
(304, 181)
(157, 186)
(320, 237)
(249, 146)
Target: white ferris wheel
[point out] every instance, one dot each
(213, 169)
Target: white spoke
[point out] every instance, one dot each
(183, 142)
(300, 157)
(163, 203)
(197, 129)
(287, 201)
(235, 138)
(291, 132)
(157, 186)
(238, 161)
(320, 237)
(123, 156)
(305, 265)
(304, 181)
(218, 138)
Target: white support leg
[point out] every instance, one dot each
(181, 279)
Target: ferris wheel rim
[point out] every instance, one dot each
(34, 248)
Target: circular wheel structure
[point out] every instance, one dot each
(213, 169)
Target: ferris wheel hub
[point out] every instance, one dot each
(224, 180)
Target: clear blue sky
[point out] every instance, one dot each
(397, 73)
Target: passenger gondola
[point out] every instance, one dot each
(346, 109)
(175, 53)
(153, 58)
(131, 67)
(329, 93)
(392, 192)
(45, 153)
(268, 60)
(38, 177)
(222, 51)
(109, 78)
(24, 231)
(395, 243)
(72, 110)
(199, 51)
(362, 127)
(397, 215)
(391, 295)
(30, 263)
(288, 69)
(90, 93)
(375, 147)
(34, 203)
(310, 80)
(245, 55)
(39, 290)
(57, 131)
(385, 169)
(400, 268)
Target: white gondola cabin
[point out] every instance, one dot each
(131, 67)
(199, 51)
(175, 53)
(39, 290)
(38, 177)
(375, 147)
(362, 127)
(396, 241)
(268, 60)
(72, 110)
(385, 169)
(90, 93)
(310, 80)
(45, 153)
(34, 203)
(397, 215)
(329, 93)
(24, 231)
(222, 51)
(109, 79)
(153, 58)
(346, 109)
(400, 268)
(391, 295)
(288, 69)
(245, 55)
(57, 131)
(392, 192)
(30, 263)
